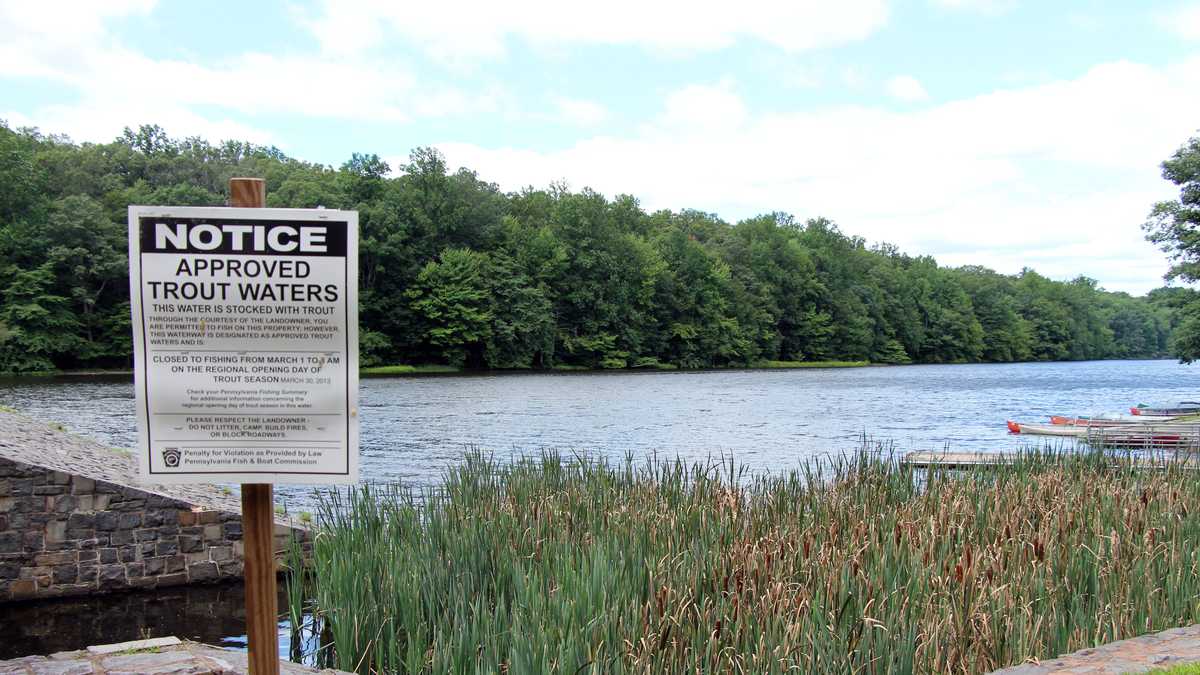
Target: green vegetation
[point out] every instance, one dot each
(401, 369)
(1173, 225)
(143, 650)
(575, 565)
(455, 272)
(1186, 669)
(811, 364)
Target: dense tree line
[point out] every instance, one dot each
(455, 271)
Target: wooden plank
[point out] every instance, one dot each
(955, 460)
(248, 192)
(258, 527)
(258, 518)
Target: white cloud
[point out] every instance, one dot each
(466, 31)
(700, 107)
(41, 39)
(854, 77)
(580, 112)
(1183, 21)
(906, 88)
(103, 120)
(1057, 176)
(115, 83)
(984, 6)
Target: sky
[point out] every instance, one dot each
(1003, 133)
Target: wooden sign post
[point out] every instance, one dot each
(258, 517)
(245, 336)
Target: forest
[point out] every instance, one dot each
(455, 271)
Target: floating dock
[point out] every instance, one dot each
(935, 459)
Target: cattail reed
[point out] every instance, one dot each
(852, 564)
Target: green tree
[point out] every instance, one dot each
(37, 327)
(522, 329)
(454, 270)
(452, 297)
(1175, 226)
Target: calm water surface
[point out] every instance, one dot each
(413, 427)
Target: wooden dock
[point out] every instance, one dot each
(936, 459)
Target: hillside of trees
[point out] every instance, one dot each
(455, 271)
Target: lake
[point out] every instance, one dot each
(413, 427)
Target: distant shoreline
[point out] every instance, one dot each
(433, 369)
(439, 369)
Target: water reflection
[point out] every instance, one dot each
(214, 615)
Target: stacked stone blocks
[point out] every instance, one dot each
(67, 534)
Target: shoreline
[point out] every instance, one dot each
(434, 369)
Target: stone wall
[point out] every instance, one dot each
(64, 532)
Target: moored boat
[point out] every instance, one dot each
(1183, 408)
(1061, 420)
(1121, 436)
(1108, 420)
(1044, 430)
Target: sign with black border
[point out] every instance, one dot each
(245, 331)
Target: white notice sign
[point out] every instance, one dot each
(245, 331)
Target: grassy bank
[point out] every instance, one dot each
(566, 368)
(438, 369)
(810, 364)
(859, 565)
(423, 369)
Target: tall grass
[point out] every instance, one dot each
(855, 564)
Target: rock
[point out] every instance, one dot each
(10, 542)
(65, 574)
(65, 503)
(81, 521)
(128, 521)
(82, 486)
(60, 558)
(160, 663)
(106, 521)
(203, 571)
(62, 668)
(111, 576)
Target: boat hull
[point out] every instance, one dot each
(1122, 436)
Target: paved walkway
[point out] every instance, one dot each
(190, 658)
(23, 439)
(1135, 655)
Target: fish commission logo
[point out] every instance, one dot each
(171, 457)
